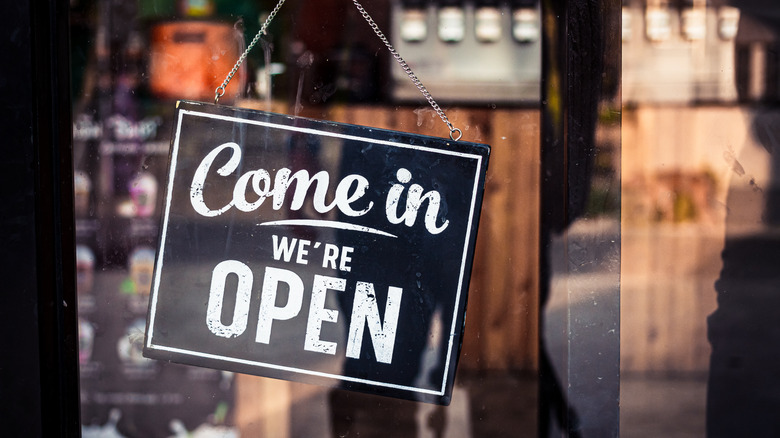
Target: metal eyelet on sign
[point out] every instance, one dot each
(454, 137)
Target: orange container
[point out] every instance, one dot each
(190, 59)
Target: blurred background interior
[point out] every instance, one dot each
(680, 167)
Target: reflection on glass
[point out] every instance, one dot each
(414, 26)
(132, 59)
(694, 23)
(658, 23)
(728, 22)
(699, 250)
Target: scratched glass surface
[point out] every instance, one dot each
(481, 60)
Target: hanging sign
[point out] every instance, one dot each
(314, 251)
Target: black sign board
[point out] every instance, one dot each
(314, 251)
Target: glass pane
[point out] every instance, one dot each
(699, 248)
(133, 59)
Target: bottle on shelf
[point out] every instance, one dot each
(413, 25)
(451, 20)
(487, 21)
(525, 21)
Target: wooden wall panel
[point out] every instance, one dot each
(501, 327)
(502, 317)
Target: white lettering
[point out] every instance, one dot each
(330, 255)
(282, 249)
(199, 179)
(217, 295)
(302, 252)
(239, 191)
(365, 311)
(344, 199)
(414, 200)
(349, 190)
(268, 309)
(318, 313)
(345, 258)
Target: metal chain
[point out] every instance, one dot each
(220, 91)
(455, 133)
(415, 80)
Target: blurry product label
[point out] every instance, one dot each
(86, 341)
(86, 127)
(413, 25)
(85, 269)
(728, 22)
(315, 251)
(658, 24)
(694, 23)
(141, 267)
(487, 25)
(143, 193)
(82, 187)
(452, 24)
(124, 129)
(141, 226)
(525, 25)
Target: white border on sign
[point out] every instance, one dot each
(168, 196)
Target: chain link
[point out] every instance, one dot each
(455, 133)
(220, 91)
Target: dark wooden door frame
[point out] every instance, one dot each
(580, 71)
(39, 346)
